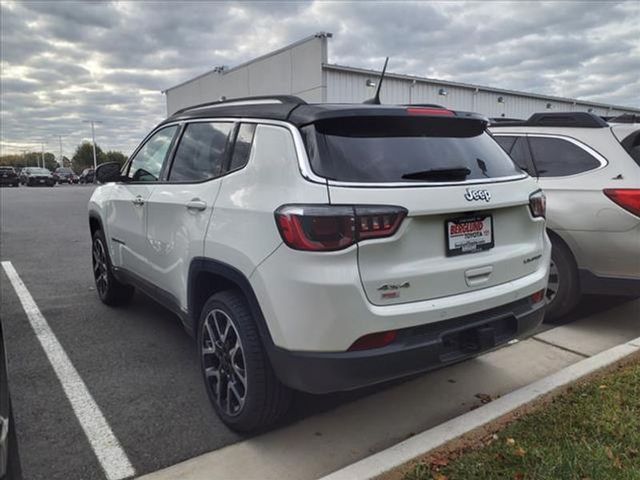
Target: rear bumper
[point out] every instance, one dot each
(416, 349)
(594, 284)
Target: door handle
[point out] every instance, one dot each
(196, 204)
(138, 201)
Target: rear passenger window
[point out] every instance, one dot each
(242, 148)
(555, 157)
(520, 154)
(201, 152)
(506, 142)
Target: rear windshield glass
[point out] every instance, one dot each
(404, 149)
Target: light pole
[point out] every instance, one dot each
(42, 154)
(93, 138)
(61, 162)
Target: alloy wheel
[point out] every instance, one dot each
(100, 272)
(554, 282)
(223, 362)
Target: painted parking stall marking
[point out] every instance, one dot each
(105, 445)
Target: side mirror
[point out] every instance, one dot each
(107, 172)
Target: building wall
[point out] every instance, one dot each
(293, 70)
(345, 85)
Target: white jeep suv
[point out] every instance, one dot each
(590, 171)
(322, 247)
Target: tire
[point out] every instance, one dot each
(563, 292)
(110, 290)
(229, 345)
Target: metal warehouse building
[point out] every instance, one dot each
(303, 69)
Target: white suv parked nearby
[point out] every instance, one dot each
(323, 247)
(590, 171)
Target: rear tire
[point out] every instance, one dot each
(563, 291)
(239, 379)
(110, 290)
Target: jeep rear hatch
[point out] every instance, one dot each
(468, 222)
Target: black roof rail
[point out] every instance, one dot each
(625, 118)
(284, 99)
(557, 119)
(501, 120)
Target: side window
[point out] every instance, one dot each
(201, 152)
(517, 148)
(242, 147)
(632, 145)
(147, 163)
(555, 157)
(505, 142)
(520, 154)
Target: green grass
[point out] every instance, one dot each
(590, 432)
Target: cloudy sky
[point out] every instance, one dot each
(65, 62)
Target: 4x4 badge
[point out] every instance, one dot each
(472, 195)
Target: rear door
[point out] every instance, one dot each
(468, 225)
(180, 209)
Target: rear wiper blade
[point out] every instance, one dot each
(439, 174)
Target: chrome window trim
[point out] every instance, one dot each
(591, 151)
(304, 165)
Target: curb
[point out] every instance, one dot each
(393, 457)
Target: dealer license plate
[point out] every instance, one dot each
(469, 234)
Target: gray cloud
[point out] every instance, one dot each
(63, 62)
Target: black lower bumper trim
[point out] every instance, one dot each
(416, 349)
(594, 284)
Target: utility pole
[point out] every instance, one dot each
(93, 138)
(42, 155)
(61, 157)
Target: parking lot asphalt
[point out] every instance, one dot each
(141, 370)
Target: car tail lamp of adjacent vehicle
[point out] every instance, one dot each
(335, 227)
(627, 198)
(538, 204)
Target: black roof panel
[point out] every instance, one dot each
(293, 110)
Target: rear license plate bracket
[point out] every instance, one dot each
(470, 234)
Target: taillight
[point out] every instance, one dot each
(627, 198)
(374, 340)
(430, 111)
(335, 227)
(538, 204)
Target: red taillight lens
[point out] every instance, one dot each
(627, 198)
(538, 204)
(374, 340)
(443, 112)
(538, 296)
(329, 227)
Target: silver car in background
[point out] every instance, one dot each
(589, 169)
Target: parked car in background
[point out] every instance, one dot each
(303, 252)
(37, 176)
(65, 175)
(9, 176)
(590, 171)
(86, 176)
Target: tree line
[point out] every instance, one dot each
(81, 159)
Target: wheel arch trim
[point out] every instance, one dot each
(234, 276)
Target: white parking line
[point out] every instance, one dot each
(111, 456)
